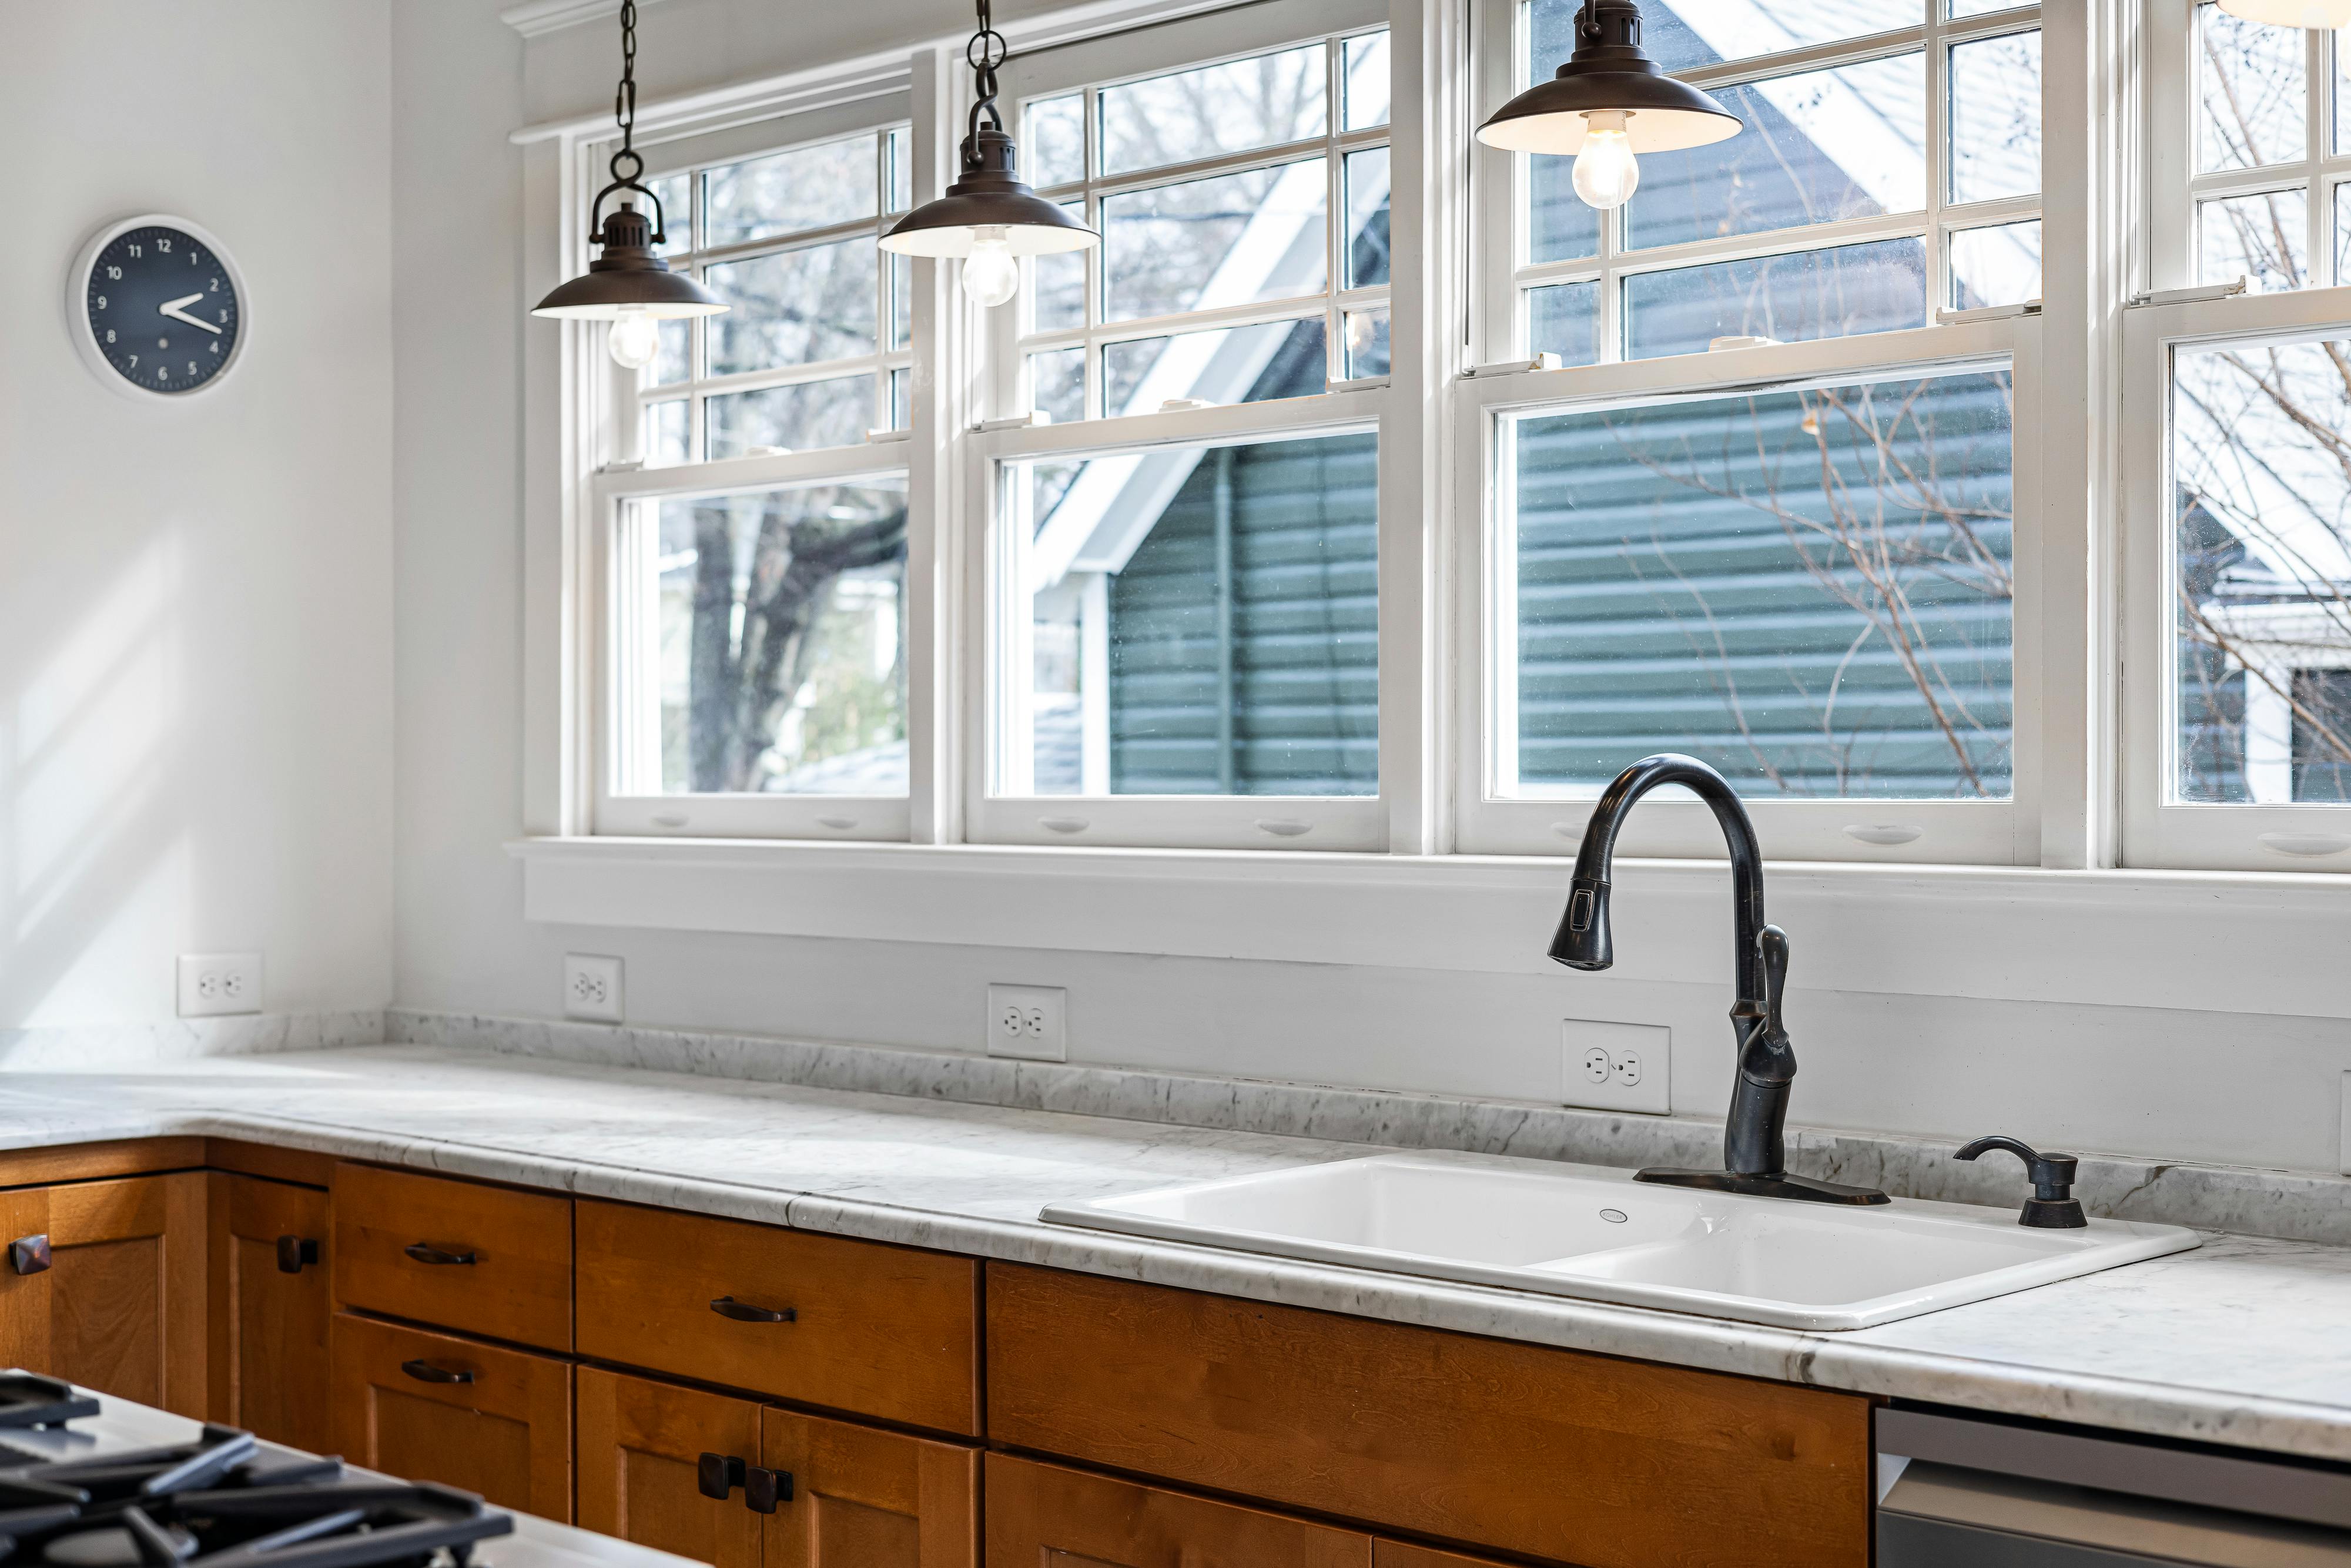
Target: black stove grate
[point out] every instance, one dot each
(28, 1399)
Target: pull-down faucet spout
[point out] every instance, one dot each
(1753, 1143)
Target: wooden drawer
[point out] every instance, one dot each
(1045, 1514)
(487, 1259)
(874, 1329)
(1607, 1463)
(435, 1408)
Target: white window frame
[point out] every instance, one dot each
(1099, 64)
(1506, 275)
(2158, 829)
(2003, 832)
(612, 641)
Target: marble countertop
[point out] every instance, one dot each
(2242, 1340)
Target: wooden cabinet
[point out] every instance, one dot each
(889, 1331)
(269, 1310)
(121, 1307)
(1550, 1453)
(1048, 1515)
(485, 1259)
(868, 1499)
(1399, 1555)
(846, 1496)
(436, 1408)
(640, 1446)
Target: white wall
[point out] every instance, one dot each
(195, 606)
(2169, 1083)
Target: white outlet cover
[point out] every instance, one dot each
(591, 988)
(1032, 1022)
(219, 984)
(1640, 1051)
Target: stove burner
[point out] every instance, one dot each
(27, 1399)
(220, 1503)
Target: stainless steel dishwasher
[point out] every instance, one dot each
(1965, 1491)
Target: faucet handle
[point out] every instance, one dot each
(1774, 943)
(2053, 1206)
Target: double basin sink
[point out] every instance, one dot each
(1594, 1232)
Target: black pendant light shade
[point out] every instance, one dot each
(989, 196)
(1608, 74)
(988, 205)
(627, 279)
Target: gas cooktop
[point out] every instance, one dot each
(87, 1481)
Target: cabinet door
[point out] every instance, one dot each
(435, 1408)
(270, 1310)
(1067, 1519)
(640, 1446)
(24, 1298)
(127, 1288)
(868, 1499)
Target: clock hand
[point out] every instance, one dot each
(177, 309)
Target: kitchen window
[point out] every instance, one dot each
(1777, 505)
(754, 672)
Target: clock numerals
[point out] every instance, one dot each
(139, 292)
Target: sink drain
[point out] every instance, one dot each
(1613, 1216)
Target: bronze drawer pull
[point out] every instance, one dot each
(425, 1372)
(763, 1489)
(29, 1254)
(425, 1253)
(293, 1251)
(745, 1312)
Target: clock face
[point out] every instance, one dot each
(163, 309)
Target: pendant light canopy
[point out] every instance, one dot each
(2314, 16)
(1608, 103)
(988, 218)
(628, 285)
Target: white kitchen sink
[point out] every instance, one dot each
(1593, 1231)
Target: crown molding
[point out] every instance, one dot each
(532, 18)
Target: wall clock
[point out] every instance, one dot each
(157, 307)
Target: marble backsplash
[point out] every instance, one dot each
(2298, 1205)
(72, 1047)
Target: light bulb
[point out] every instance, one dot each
(991, 273)
(634, 340)
(1606, 170)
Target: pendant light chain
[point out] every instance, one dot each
(986, 54)
(628, 165)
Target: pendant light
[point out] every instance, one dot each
(628, 285)
(2314, 16)
(988, 217)
(1609, 103)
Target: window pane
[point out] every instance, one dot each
(2253, 96)
(676, 212)
(2262, 571)
(1205, 621)
(666, 438)
(675, 360)
(1809, 590)
(1367, 83)
(2262, 239)
(1262, 101)
(1852, 289)
(1057, 380)
(1565, 319)
(1367, 218)
(1965, 8)
(901, 153)
(902, 399)
(1996, 118)
(1367, 343)
(1561, 226)
(1680, 34)
(1996, 265)
(1053, 141)
(1059, 282)
(1231, 240)
(805, 188)
(902, 301)
(1227, 364)
(790, 419)
(797, 307)
(782, 645)
(1820, 146)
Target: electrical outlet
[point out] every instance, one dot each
(1616, 1066)
(214, 985)
(591, 988)
(1028, 1022)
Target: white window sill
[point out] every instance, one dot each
(2226, 942)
